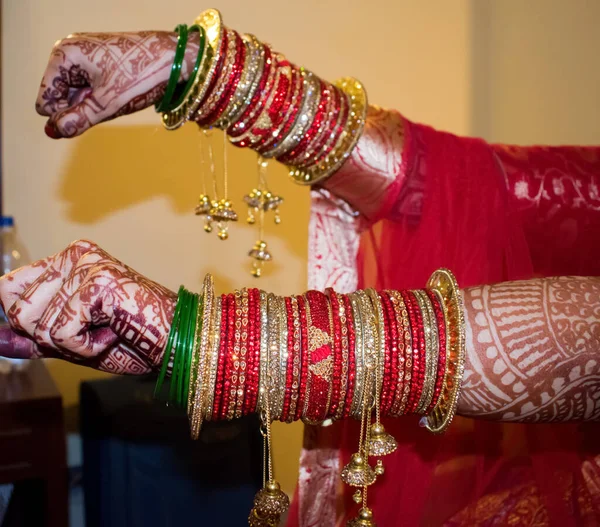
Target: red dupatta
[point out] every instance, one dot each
(471, 207)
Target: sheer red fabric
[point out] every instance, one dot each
(489, 213)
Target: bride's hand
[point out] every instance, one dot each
(84, 306)
(95, 77)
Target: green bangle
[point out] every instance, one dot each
(181, 94)
(169, 347)
(193, 350)
(182, 30)
(186, 352)
(179, 341)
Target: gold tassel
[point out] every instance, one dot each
(381, 443)
(364, 519)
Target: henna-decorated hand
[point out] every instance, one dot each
(95, 77)
(84, 306)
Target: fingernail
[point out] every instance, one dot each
(51, 131)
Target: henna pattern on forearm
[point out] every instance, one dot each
(533, 350)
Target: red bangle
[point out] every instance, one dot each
(304, 357)
(327, 129)
(287, 114)
(351, 356)
(271, 115)
(248, 371)
(320, 367)
(251, 113)
(337, 130)
(390, 367)
(336, 383)
(296, 360)
(217, 77)
(232, 82)
(287, 401)
(313, 130)
(418, 341)
(254, 343)
(223, 353)
(228, 358)
(441, 368)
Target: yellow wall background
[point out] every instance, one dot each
(505, 69)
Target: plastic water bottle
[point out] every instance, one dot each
(13, 255)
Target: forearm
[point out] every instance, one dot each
(533, 351)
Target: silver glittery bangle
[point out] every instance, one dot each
(430, 363)
(215, 346)
(249, 80)
(359, 354)
(263, 381)
(306, 115)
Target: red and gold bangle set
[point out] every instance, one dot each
(321, 357)
(265, 102)
(281, 111)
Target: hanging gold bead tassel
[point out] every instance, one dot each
(380, 443)
(364, 519)
(270, 503)
(358, 472)
(261, 200)
(204, 201)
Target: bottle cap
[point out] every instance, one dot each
(7, 221)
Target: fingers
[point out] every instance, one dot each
(63, 76)
(75, 120)
(14, 346)
(27, 292)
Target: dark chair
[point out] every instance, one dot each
(142, 470)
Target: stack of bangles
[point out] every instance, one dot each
(319, 357)
(262, 101)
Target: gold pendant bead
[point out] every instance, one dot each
(380, 442)
(364, 519)
(357, 496)
(379, 469)
(271, 501)
(358, 473)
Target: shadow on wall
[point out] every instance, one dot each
(115, 167)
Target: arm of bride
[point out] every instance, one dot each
(532, 347)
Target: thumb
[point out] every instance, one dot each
(14, 346)
(78, 118)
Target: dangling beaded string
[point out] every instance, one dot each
(225, 212)
(270, 503)
(204, 202)
(259, 201)
(381, 443)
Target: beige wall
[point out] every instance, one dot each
(466, 66)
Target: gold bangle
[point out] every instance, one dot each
(194, 362)
(371, 344)
(359, 354)
(224, 77)
(430, 351)
(296, 370)
(311, 97)
(249, 81)
(215, 346)
(404, 354)
(355, 123)
(444, 282)
(200, 382)
(344, 344)
(211, 21)
(379, 349)
(282, 338)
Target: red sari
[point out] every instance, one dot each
(490, 213)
